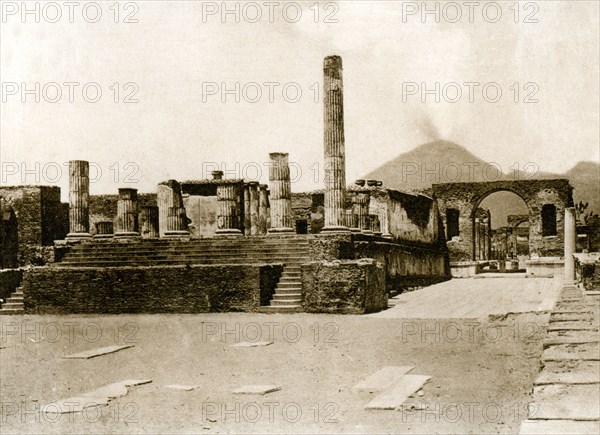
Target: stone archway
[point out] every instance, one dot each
(463, 200)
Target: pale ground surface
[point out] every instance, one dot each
(482, 369)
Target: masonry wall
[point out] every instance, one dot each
(405, 265)
(40, 218)
(104, 207)
(202, 211)
(344, 287)
(163, 289)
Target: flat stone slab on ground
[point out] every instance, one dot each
(181, 387)
(381, 379)
(544, 427)
(589, 352)
(565, 402)
(87, 354)
(398, 393)
(252, 343)
(256, 389)
(98, 397)
(547, 377)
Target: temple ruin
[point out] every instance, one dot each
(220, 244)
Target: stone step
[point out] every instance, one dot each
(288, 291)
(9, 311)
(189, 260)
(274, 309)
(12, 305)
(184, 246)
(15, 299)
(289, 284)
(287, 296)
(286, 302)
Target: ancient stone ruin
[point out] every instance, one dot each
(220, 244)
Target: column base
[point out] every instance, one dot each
(355, 230)
(387, 236)
(127, 234)
(103, 236)
(281, 231)
(367, 232)
(179, 233)
(335, 229)
(78, 236)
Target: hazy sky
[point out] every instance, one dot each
(178, 55)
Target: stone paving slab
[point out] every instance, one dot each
(547, 377)
(475, 299)
(252, 344)
(181, 387)
(398, 393)
(381, 379)
(98, 397)
(587, 351)
(256, 389)
(566, 402)
(570, 427)
(87, 354)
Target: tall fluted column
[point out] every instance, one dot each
(79, 194)
(247, 216)
(570, 243)
(169, 196)
(254, 208)
(280, 198)
(335, 165)
(228, 218)
(263, 209)
(127, 214)
(148, 222)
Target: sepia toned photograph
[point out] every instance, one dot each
(300, 217)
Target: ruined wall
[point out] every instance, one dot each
(466, 197)
(405, 265)
(104, 207)
(162, 289)
(412, 217)
(40, 218)
(202, 211)
(344, 287)
(302, 209)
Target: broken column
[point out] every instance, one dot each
(335, 165)
(228, 212)
(280, 197)
(169, 197)
(355, 220)
(148, 222)
(263, 209)
(127, 214)
(79, 194)
(570, 243)
(362, 201)
(254, 208)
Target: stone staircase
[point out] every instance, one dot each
(291, 251)
(14, 304)
(288, 293)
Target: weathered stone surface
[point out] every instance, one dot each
(577, 402)
(252, 344)
(545, 427)
(344, 286)
(158, 289)
(396, 395)
(381, 379)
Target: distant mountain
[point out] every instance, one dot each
(448, 162)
